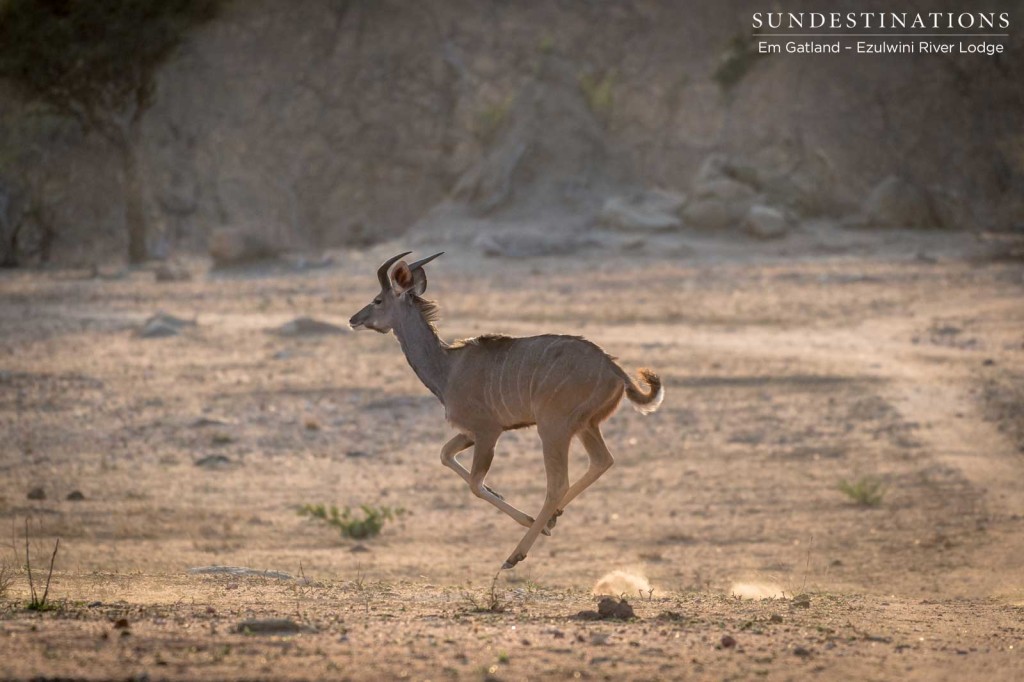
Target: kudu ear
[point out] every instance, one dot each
(402, 279)
(419, 281)
(419, 274)
(411, 277)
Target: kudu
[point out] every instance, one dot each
(565, 385)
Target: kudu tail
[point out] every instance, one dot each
(645, 403)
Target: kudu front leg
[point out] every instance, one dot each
(556, 465)
(448, 457)
(482, 456)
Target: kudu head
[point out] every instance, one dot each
(399, 283)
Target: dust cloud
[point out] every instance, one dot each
(621, 582)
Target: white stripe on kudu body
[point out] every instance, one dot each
(565, 385)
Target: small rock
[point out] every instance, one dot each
(307, 326)
(76, 496)
(359, 549)
(213, 462)
(355, 454)
(269, 626)
(167, 272)
(158, 330)
(238, 571)
(208, 421)
(671, 616)
(775, 618)
(221, 438)
(36, 494)
(765, 222)
(802, 652)
(609, 607)
(162, 325)
(121, 624)
(988, 362)
(801, 602)
(728, 641)
(588, 615)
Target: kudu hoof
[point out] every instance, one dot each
(512, 561)
(552, 521)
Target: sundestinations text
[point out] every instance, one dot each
(881, 20)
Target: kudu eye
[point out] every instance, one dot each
(378, 301)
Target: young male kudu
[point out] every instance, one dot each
(565, 385)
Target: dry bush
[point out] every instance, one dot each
(7, 571)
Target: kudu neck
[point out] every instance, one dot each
(424, 351)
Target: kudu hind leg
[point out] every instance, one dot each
(600, 461)
(556, 466)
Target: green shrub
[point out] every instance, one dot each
(736, 62)
(491, 118)
(599, 93)
(352, 524)
(866, 491)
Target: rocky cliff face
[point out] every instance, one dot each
(325, 122)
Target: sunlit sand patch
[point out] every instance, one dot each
(757, 590)
(620, 582)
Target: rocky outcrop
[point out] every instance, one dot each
(549, 154)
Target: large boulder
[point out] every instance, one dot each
(231, 246)
(766, 222)
(897, 203)
(527, 243)
(650, 211)
(718, 203)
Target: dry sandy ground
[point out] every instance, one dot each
(783, 375)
